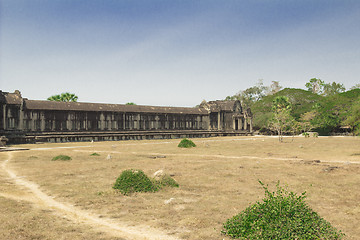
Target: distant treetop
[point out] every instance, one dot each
(64, 97)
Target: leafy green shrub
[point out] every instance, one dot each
(167, 181)
(95, 154)
(281, 215)
(134, 181)
(186, 143)
(306, 135)
(61, 158)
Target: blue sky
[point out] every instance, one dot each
(174, 52)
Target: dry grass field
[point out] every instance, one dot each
(44, 199)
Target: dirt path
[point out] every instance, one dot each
(223, 156)
(32, 193)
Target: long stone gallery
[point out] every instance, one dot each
(30, 121)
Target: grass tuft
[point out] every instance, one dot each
(61, 158)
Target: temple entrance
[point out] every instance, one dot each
(238, 124)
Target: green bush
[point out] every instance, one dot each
(167, 181)
(281, 215)
(94, 154)
(61, 158)
(134, 181)
(305, 134)
(186, 143)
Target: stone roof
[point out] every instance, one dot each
(219, 105)
(101, 107)
(11, 98)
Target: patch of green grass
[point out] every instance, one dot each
(61, 158)
(167, 181)
(94, 154)
(186, 143)
(133, 180)
(281, 215)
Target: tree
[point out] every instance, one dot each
(130, 103)
(353, 119)
(274, 88)
(56, 98)
(282, 121)
(333, 88)
(230, 98)
(250, 95)
(325, 119)
(64, 97)
(357, 86)
(315, 85)
(305, 121)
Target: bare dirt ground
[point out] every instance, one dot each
(44, 199)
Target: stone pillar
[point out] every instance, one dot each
(8, 118)
(86, 125)
(32, 121)
(42, 123)
(52, 124)
(115, 123)
(157, 123)
(102, 121)
(123, 122)
(251, 127)
(68, 122)
(109, 121)
(137, 122)
(219, 121)
(21, 119)
(131, 122)
(166, 122)
(245, 123)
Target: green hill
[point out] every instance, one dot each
(301, 100)
(332, 110)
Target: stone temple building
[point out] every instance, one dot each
(30, 121)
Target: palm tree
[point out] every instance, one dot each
(64, 97)
(54, 98)
(68, 97)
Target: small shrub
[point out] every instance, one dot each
(95, 154)
(61, 158)
(281, 215)
(186, 143)
(134, 181)
(305, 134)
(167, 181)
